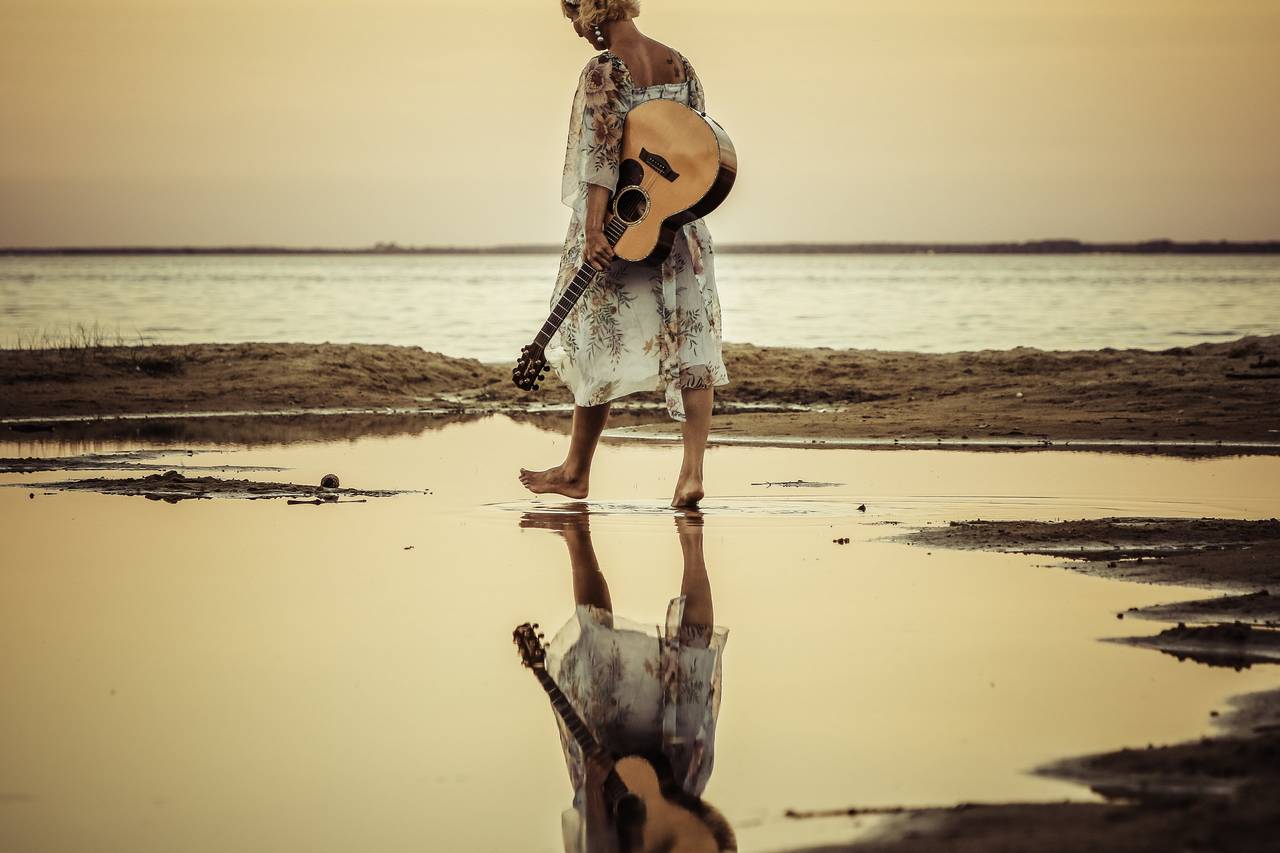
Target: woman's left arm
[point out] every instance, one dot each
(600, 110)
(597, 251)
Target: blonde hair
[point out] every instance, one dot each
(593, 13)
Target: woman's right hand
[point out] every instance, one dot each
(597, 250)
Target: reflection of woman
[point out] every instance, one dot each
(637, 327)
(642, 690)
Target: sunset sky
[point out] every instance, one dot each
(347, 122)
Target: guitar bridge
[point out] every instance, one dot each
(659, 164)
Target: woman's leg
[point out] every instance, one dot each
(573, 523)
(697, 426)
(589, 585)
(695, 586)
(571, 478)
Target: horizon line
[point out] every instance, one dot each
(1042, 246)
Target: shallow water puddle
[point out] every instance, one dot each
(224, 674)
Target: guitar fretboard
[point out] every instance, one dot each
(613, 785)
(568, 713)
(613, 232)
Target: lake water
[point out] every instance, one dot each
(488, 306)
(247, 675)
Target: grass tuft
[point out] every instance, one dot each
(80, 346)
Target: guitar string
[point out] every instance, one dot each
(615, 788)
(577, 286)
(614, 231)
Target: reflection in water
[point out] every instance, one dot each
(244, 675)
(636, 705)
(62, 437)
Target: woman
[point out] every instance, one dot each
(643, 690)
(637, 327)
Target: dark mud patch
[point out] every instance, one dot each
(172, 486)
(1215, 553)
(1260, 609)
(1236, 644)
(1248, 753)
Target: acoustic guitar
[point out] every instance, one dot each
(641, 816)
(677, 165)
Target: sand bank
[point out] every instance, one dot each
(1210, 392)
(1213, 553)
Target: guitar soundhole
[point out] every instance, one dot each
(632, 205)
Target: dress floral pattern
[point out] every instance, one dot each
(641, 690)
(638, 327)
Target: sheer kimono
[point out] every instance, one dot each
(638, 327)
(643, 690)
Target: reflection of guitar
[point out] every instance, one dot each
(677, 166)
(632, 792)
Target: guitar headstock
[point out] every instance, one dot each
(530, 368)
(529, 643)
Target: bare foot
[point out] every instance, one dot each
(570, 516)
(689, 523)
(554, 481)
(688, 491)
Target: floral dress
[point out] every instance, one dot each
(642, 690)
(638, 327)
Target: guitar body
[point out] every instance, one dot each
(677, 166)
(666, 826)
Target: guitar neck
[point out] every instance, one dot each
(613, 232)
(613, 785)
(569, 714)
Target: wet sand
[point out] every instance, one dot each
(1225, 554)
(1217, 793)
(1209, 392)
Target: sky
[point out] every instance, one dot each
(442, 122)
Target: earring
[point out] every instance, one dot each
(599, 37)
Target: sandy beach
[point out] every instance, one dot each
(1211, 392)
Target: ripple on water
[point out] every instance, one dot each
(745, 507)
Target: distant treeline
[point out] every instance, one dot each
(1032, 247)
